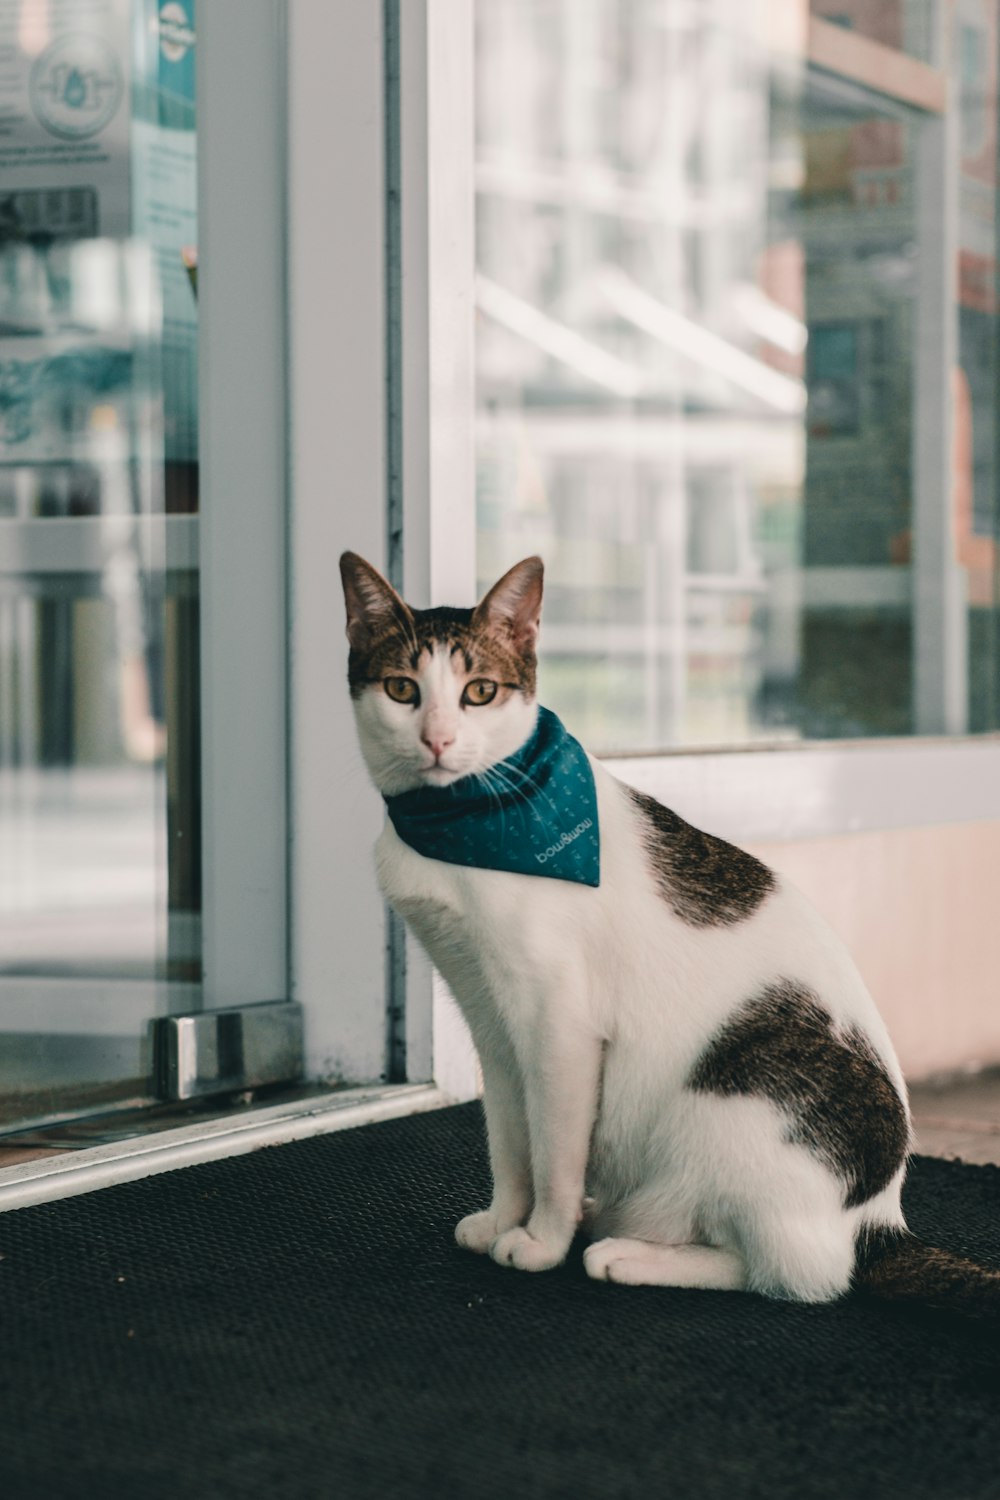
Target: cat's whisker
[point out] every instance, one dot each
(529, 788)
(487, 780)
(496, 777)
(514, 795)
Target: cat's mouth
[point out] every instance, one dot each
(438, 774)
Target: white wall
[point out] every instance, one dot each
(918, 909)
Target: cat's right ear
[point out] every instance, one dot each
(514, 605)
(373, 606)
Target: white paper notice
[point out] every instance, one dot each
(64, 118)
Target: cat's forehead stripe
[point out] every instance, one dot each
(473, 648)
(454, 659)
(442, 664)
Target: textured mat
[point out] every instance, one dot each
(299, 1323)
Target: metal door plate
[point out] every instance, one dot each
(225, 1051)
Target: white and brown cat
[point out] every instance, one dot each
(682, 1059)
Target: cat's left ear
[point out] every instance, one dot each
(373, 606)
(514, 604)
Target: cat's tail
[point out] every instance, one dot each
(896, 1265)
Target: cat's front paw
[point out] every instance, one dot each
(477, 1232)
(522, 1250)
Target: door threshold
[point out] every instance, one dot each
(49, 1178)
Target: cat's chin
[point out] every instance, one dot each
(440, 776)
(422, 776)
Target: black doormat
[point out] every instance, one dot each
(299, 1323)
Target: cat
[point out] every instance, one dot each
(678, 1055)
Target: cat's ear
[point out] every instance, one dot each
(373, 606)
(514, 605)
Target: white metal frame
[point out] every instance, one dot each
(242, 524)
(436, 272)
(940, 604)
(335, 217)
(825, 788)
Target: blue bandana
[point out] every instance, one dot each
(534, 813)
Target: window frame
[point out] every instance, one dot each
(241, 523)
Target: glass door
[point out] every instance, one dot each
(190, 406)
(100, 824)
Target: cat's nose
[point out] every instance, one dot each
(437, 742)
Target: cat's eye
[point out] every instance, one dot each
(402, 689)
(479, 691)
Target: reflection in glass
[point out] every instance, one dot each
(99, 822)
(698, 264)
(904, 25)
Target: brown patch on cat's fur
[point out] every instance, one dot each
(703, 879)
(397, 648)
(841, 1102)
(894, 1264)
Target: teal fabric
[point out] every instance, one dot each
(534, 813)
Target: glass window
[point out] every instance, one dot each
(99, 774)
(696, 345)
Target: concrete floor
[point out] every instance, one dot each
(959, 1117)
